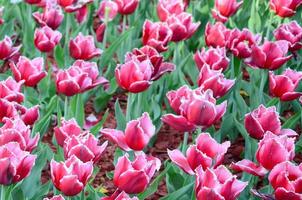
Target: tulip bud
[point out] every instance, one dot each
(85, 147)
(215, 35)
(51, 17)
(217, 184)
(134, 177)
(15, 164)
(137, 134)
(285, 8)
(291, 32)
(271, 55)
(156, 35)
(109, 8)
(206, 153)
(182, 26)
(46, 39)
(100, 31)
(274, 149)
(283, 86)
(225, 9)
(83, 47)
(127, 7)
(7, 50)
(31, 71)
(71, 176)
(11, 90)
(214, 80)
(166, 8)
(215, 58)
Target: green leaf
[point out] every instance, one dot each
(120, 117)
(292, 121)
(77, 108)
(59, 56)
(179, 194)
(95, 129)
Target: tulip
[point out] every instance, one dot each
(78, 78)
(175, 97)
(127, 7)
(28, 115)
(31, 71)
(286, 181)
(182, 26)
(15, 163)
(285, 8)
(76, 5)
(215, 58)
(217, 184)
(215, 35)
(271, 55)
(205, 153)
(241, 42)
(249, 167)
(14, 130)
(85, 147)
(100, 31)
(225, 9)
(11, 90)
(65, 3)
(291, 32)
(214, 80)
(108, 10)
(136, 136)
(149, 53)
(7, 50)
(134, 76)
(261, 120)
(34, 1)
(119, 195)
(134, 177)
(83, 47)
(197, 109)
(67, 129)
(156, 35)
(81, 14)
(7, 109)
(274, 149)
(46, 39)
(283, 86)
(166, 8)
(51, 17)
(57, 197)
(71, 176)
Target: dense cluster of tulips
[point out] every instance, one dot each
(194, 68)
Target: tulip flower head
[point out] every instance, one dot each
(225, 9)
(285, 8)
(206, 153)
(215, 58)
(117, 195)
(127, 7)
(108, 10)
(46, 39)
(57, 197)
(166, 8)
(52, 17)
(215, 35)
(10, 90)
(7, 50)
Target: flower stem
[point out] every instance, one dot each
(66, 107)
(107, 10)
(185, 142)
(67, 28)
(3, 192)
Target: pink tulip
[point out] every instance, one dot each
(34, 1)
(71, 176)
(215, 35)
(225, 9)
(286, 180)
(65, 3)
(81, 14)
(157, 35)
(283, 86)
(78, 78)
(175, 97)
(182, 26)
(46, 39)
(67, 129)
(14, 130)
(134, 177)
(285, 8)
(31, 71)
(57, 197)
(100, 31)
(110, 7)
(166, 8)
(15, 164)
(197, 109)
(149, 53)
(11, 90)
(271, 55)
(83, 47)
(274, 149)
(205, 153)
(214, 80)
(241, 42)
(119, 195)
(51, 17)
(7, 50)
(136, 136)
(85, 147)
(127, 7)
(291, 32)
(215, 58)
(249, 167)
(76, 5)
(7, 109)
(217, 184)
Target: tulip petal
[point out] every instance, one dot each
(179, 159)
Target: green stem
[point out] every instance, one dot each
(66, 107)
(129, 106)
(185, 142)
(269, 25)
(3, 192)
(107, 10)
(67, 29)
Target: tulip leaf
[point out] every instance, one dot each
(59, 56)
(120, 117)
(292, 121)
(179, 194)
(95, 129)
(77, 108)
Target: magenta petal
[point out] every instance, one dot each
(179, 159)
(178, 122)
(116, 137)
(249, 167)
